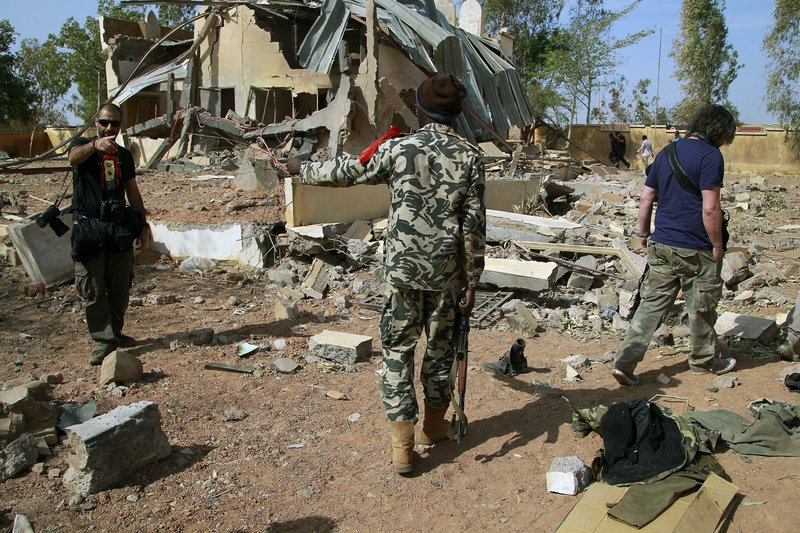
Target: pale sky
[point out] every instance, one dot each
(748, 22)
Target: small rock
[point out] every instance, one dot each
(306, 493)
(353, 417)
(663, 379)
(132, 498)
(198, 300)
(234, 300)
(234, 414)
(285, 365)
(726, 382)
(38, 468)
(279, 344)
(54, 473)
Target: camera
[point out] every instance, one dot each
(113, 211)
(49, 217)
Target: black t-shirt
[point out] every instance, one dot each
(87, 189)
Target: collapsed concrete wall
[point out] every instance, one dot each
(755, 148)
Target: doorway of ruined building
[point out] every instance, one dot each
(218, 100)
(276, 104)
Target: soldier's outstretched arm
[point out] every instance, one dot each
(347, 170)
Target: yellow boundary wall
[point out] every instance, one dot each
(757, 149)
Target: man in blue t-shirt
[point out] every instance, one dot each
(686, 249)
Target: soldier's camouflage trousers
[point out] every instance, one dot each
(406, 313)
(672, 269)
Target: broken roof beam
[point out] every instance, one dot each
(333, 118)
(155, 127)
(222, 125)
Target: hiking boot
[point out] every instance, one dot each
(126, 341)
(720, 366)
(402, 446)
(624, 378)
(434, 426)
(512, 363)
(98, 355)
(788, 350)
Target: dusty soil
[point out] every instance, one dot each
(296, 463)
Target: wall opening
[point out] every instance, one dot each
(273, 105)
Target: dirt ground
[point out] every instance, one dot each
(302, 461)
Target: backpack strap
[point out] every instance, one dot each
(683, 180)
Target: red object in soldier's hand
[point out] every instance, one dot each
(369, 151)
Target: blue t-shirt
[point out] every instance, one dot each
(679, 217)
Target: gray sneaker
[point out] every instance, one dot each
(720, 366)
(624, 378)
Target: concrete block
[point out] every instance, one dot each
(256, 172)
(579, 280)
(734, 268)
(285, 310)
(344, 348)
(107, 449)
(27, 409)
(45, 256)
(284, 365)
(755, 328)
(503, 225)
(523, 319)
(120, 367)
(316, 281)
(568, 475)
(527, 275)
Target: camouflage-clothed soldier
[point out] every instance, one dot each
(433, 247)
(686, 248)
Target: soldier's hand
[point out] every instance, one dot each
(718, 254)
(293, 166)
(468, 302)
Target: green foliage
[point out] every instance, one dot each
(14, 95)
(41, 66)
(172, 15)
(782, 46)
(84, 63)
(705, 62)
(584, 55)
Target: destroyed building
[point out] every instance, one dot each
(303, 74)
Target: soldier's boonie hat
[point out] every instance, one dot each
(440, 97)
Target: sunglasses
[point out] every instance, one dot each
(105, 122)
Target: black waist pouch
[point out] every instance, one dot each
(92, 235)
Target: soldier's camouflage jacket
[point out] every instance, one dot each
(436, 234)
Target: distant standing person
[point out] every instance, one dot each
(686, 249)
(622, 147)
(614, 149)
(646, 149)
(677, 135)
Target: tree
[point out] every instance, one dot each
(704, 60)
(41, 66)
(84, 64)
(14, 96)
(584, 53)
(642, 104)
(782, 45)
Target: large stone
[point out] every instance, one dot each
(579, 280)
(18, 455)
(343, 348)
(27, 409)
(120, 367)
(755, 328)
(108, 448)
(568, 475)
(285, 310)
(527, 275)
(734, 268)
(256, 173)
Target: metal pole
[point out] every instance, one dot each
(658, 74)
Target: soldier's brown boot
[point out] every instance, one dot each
(434, 426)
(402, 445)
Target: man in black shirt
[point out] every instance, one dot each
(103, 175)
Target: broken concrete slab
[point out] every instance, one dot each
(18, 455)
(257, 172)
(762, 330)
(340, 347)
(284, 365)
(45, 256)
(503, 225)
(316, 282)
(286, 310)
(120, 367)
(532, 276)
(107, 449)
(735, 269)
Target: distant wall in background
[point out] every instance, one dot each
(755, 148)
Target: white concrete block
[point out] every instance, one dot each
(568, 475)
(749, 327)
(527, 275)
(344, 348)
(45, 256)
